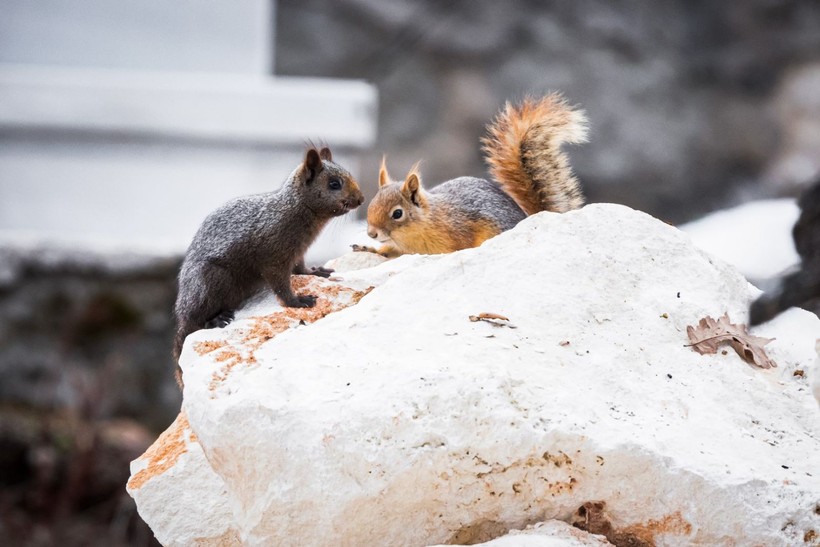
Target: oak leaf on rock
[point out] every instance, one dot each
(711, 333)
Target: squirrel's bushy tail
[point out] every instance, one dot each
(523, 150)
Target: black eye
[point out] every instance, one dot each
(397, 214)
(335, 184)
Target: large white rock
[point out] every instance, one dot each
(398, 421)
(175, 474)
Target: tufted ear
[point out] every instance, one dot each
(384, 176)
(325, 154)
(312, 165)
(412, 185)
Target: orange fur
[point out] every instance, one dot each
(523, 150)
(384, 176)
(481, 232)
(417, 237)
(433, 228)
(440, 234)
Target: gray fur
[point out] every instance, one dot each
(259, 240)
(481, 199)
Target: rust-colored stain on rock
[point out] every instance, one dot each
(538, 477)
(593, 518)
(164, 453)
(478, 532)
(331, 298)
(230, 538)
(558, 459)
(673, 524)
(208, 346)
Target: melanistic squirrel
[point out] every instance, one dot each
(523, 150)
(260, 239)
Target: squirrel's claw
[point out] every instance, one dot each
(363, 249)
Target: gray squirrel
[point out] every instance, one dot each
(260, 240)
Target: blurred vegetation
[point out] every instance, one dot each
(85, 355)
(62, 477)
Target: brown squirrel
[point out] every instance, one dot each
(257, 240)
(523, 150)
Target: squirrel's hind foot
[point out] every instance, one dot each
(306, 301)
(301, 301)
(220, 320)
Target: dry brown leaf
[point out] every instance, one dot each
(710, 333)
(488, 315)
(492, 318)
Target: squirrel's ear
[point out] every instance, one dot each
(384, 176)
(312, 165)
(325, 154)
(412, 184)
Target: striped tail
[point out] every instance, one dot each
(523, 150)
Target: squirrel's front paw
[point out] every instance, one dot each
(321, 271)
(363, 249)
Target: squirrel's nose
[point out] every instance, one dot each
(360, 201)
(371, 232)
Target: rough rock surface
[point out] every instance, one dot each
(355, 261)
(399, 421)
(199, 514)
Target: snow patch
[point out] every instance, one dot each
(755, 237)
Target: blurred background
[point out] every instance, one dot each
(124, 122)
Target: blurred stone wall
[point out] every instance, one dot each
(692, 104)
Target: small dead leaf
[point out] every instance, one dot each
(486, 315)
(564, 343)
(710, 333)
(492, 318)
(799, 372)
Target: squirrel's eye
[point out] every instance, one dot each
(397, 214)
(335, 184)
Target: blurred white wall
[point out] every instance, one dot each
(187, 35)
(126, 122)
